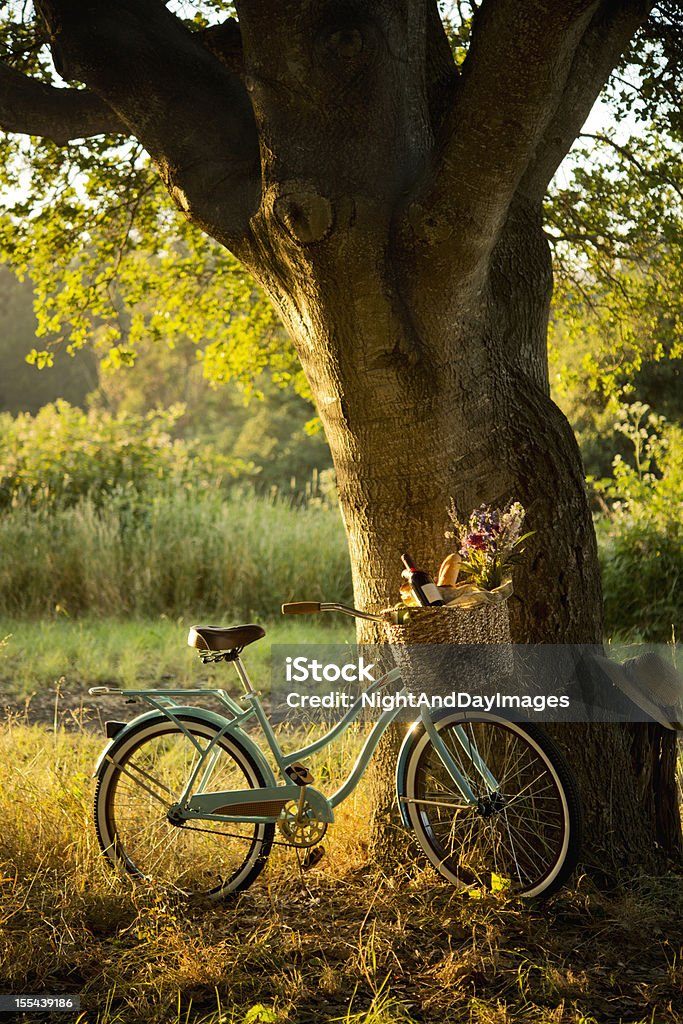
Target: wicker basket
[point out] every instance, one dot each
(443, 648)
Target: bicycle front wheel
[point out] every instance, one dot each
(144, 776)
(523, 833)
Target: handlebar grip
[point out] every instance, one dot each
(301, 608)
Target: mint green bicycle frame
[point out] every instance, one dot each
(202, 803)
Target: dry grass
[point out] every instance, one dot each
(339, 943)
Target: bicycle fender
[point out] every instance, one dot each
(198, 715)
(411, 738)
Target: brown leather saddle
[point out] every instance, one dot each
(224, 638)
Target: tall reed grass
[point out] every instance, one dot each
(168, 552)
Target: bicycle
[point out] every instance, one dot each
(186, 799)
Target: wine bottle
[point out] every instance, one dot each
(425, 590)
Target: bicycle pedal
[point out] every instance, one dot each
(299, 774)
(312, 857)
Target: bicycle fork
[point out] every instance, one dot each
(459, 779)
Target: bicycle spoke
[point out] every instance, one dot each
(126, 771)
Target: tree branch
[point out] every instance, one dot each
(511, 82)
(605, 39)
(187, 108)
(30, 107)
(225, 42)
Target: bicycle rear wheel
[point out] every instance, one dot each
(524, 833)
(144, 777)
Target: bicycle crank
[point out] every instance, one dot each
(297, 821)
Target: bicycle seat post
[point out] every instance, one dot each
(242, 673)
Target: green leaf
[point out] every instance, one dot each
(260, 1014)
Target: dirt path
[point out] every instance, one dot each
(68, 708)
(73, 709)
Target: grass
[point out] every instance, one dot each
(89, 652)
(338, 944)
(208, 554)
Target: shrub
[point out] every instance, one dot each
(640, 533)
(62, 455)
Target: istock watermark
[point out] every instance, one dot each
(544, 682)
(300, 669)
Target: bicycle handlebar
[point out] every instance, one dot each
(301, 607)
(310, 607)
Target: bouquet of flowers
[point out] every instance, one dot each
(488, 543)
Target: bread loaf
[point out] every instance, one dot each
(448, 573)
